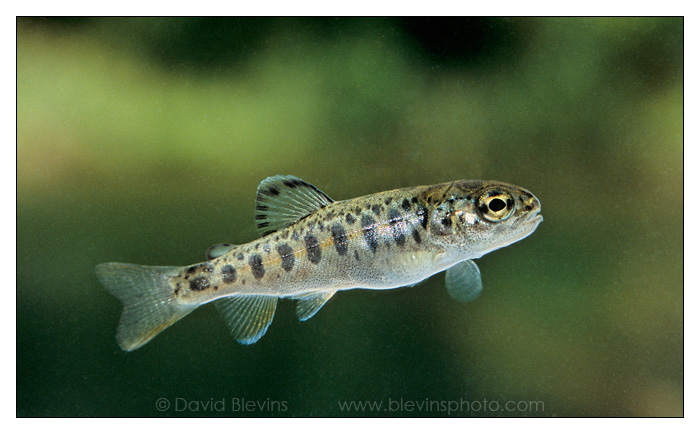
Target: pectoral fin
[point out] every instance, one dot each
(463, 281)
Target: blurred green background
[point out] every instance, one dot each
(142, 140)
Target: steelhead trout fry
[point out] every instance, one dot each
(311, 247)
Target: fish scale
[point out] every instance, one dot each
(311, 247)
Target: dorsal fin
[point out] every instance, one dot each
(247, 316)
(219, 250)
(283, 200)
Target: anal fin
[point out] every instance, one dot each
(308, 305)
(463, 281)
(247, 316)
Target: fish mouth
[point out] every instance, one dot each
(531, 222)
(525, 227)
(532, 217)
(535, 220)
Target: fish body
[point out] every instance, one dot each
(311, 247)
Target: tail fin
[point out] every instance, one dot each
(149, 302)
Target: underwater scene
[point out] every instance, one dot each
(144, 141)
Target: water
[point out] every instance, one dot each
(143, 140)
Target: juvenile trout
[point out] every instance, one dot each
(311, 247)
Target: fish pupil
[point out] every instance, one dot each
(496, 205)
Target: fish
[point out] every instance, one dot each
(311, 247)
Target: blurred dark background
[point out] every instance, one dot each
(142, 140)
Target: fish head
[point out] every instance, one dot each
(473, 218)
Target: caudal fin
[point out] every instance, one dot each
(149, 302)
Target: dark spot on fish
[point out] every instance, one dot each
(289, 183)
(528, 208)
(483, 208)
(320, 226)
(406, 205)
(295, 235)
(509, 203)
(329, 215)
(446, 221)
(387, 201)
(256, 266)
(263, 225)
(313, 250)
(287, 255)
(394, 220)
(370, 232)
(394, 216)
(273, 190)
(208, 268)
(357, 256)
(199, 283)
(340, 238)
(228, 273)
(416, 235)
(414, 200)
(376, 209)
(358, 210)
(243, 282)
(260, 207)
(349, 218)
(257, 246)
(422, 213)
(240, 257)
(216, 288)
(468, 197)
(277, 238)
(191, 270)
(178, 287)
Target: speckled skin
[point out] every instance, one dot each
(313, 247)
(380, 241)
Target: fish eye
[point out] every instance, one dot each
(496, 206)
